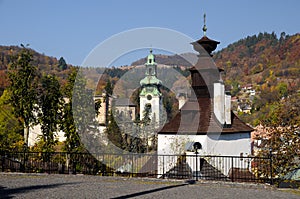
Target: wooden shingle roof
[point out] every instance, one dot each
(197, 118)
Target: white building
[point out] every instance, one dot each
(150, 95)
(206, 118)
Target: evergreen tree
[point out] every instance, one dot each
(50, 103)
(114, 133)
(72, 143)
(108, 88)
(62, 64)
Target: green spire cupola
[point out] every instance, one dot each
(151, 72)
(150, 59)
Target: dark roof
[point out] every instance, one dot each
(123, 102)
(197, 118)
(208, 44)
(197, 115)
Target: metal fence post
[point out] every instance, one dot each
(163, 172)
(3, 160)
(271, 168)
(233, 173)
(132, 159)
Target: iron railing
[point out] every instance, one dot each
(227, 168)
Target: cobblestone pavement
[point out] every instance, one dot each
(14, 185)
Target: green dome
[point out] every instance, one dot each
(150, 80)
(154, 91)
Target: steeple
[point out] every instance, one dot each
(204, 26)
(150, 95)
(151, 71)
(207, 44)
(150, 59)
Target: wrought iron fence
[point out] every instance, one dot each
(188, 166)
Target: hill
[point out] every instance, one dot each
(45, 64)
(171, 60)
(268, 63)
(254, 59)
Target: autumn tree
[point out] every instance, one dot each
(22, 75)
(283, 135)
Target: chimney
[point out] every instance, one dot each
(219, 101)
(228, 109)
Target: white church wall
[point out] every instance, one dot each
(229, 145)
(156, 105)
(169, 145)
(213, 144)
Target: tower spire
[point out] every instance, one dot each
(204, 26)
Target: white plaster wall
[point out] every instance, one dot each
(212, 144)
(174, 145)
(155, 107)
(229, 144)
(35, 132)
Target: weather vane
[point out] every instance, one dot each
(204, 27)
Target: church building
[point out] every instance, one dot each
(206, 116)
(150, 96)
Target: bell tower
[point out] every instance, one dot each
(150, 95)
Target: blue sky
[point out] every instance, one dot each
(72, 29)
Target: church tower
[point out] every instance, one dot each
(150, 95)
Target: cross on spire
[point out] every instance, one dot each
(204, 27)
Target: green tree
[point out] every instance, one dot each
(282, 89)
(79, 113)
(23, 82)
(113, 132)
(50, 103)
(108, 87)
(10, 128)
(62, 64)
(146, 120)
(72, 143)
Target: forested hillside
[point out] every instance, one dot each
(44, 63)
(262, 59)
(270, 64)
